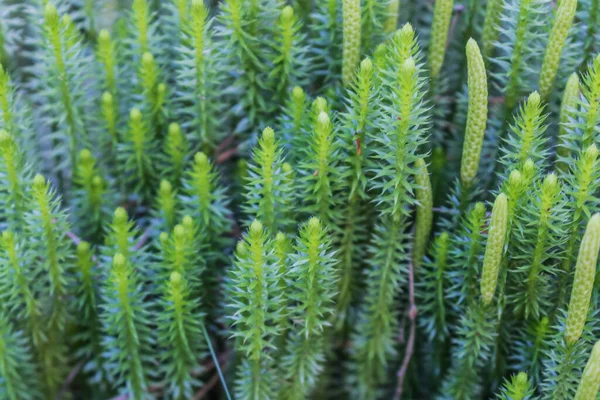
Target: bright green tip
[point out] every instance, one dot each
(147, 58)
(85, 155)
(120, 215)
(534, 98)
(323, 118)
(366, 65)
(7, 235)
(174, 129)
(104, 36)
(280, 237)
(67, 20)
(135, 114)
(314, 223)
(83, 248)
(119, 260)
(201, 159)
(320, 104)
(268, 135)
(179, 231)
(162, 88)
(298, 93)
(187, 221)
(256, 227)
(407, 30)
(4, 136)
(480, 208)
(107, 98)
(165, 186)
(163, 237)
(515, 179)
(50, 13)
(287, 168)
(550, 181)
(175, 278)
(287, 13)
(96, 181)
(39, 181)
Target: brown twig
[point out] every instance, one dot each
(458, 9)
(226, 155)
(72, 375)
(207, 387)
(410, 344)
(143, 239)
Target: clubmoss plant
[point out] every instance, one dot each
(556, 41)
(424, 215)
(393, 10)
(476, 332)
(314, 276)
(352, 37)
(517, 388)
(197, 67)
(205, 200)
(290, 63)
(319, 167)
(491, 26)
(477, 117)
(180, 337)
(372, 336)
(266, 188)
(434, 281)
(590, 380)
(91, 334)
(569, 349)
(494, 249)
(17, 367)
(125, 316)
(568, 106)
(15, 173)
(63, 66)
(527, 139)
(583, 281)
(543, 214)
(255, 308)
(356, 143)
(440, 25)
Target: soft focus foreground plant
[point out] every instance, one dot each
(409, 223)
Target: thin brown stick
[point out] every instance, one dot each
(72, 375)
(458, 9)
(410, 344)
(143, 239)
(207, 387)
(226, 155)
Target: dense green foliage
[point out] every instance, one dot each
(294, 199)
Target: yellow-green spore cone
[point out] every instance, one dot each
(477, 114)
(567, 108)
(590, 380)
(494, 249)
(424, 217)
(351, 49)
(583, 283)
(439, 35)
(556, 41)
(393, 10)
